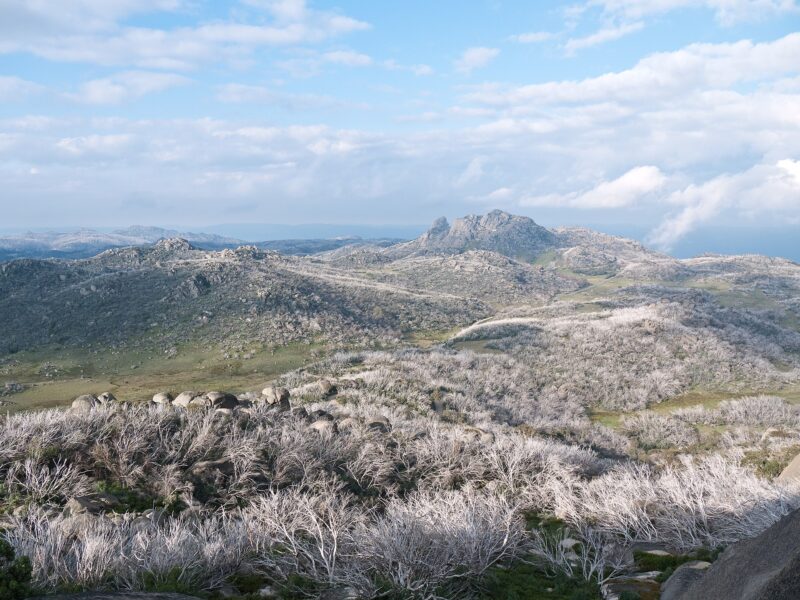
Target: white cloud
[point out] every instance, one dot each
(347, 58)
(727, 12)
(607, 34)
(14, 88)
(47, 30)
(623, 191)
(762, 189)
(238, 93)
(126, 86)
(662, 76)
(532, 37)
(475, 58)
(627, 189)
(419, 69)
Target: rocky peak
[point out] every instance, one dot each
(173, 245)
(512, 235)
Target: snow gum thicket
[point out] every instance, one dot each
(425, 508)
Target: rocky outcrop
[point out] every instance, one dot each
(498, 231)
(682, 579)
(766, 567)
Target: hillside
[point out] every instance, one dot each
(142, 310)
(524, 409)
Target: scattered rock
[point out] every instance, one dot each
(106, 398)
(11, 388)
(321, 414)
(347, 423)
(200, 401)
(299, 412)
(221, 400)
(162, 399)
(184, 399)
(276, 395)
(84, 403)
(380, 424)
(323, 426)
(643, 586)
(211, 469)
(94, 504)
(327, 389)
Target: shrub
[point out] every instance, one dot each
(15, 573)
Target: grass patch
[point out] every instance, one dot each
(599, 286)
(426, 339)
(136, 375)
(478, 346)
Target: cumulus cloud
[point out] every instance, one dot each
(625, 190)
(663, 75)
(475, 58)
(764, 187)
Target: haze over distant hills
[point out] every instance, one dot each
(84, 243)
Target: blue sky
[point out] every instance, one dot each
(665, 116)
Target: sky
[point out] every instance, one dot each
(665, 117)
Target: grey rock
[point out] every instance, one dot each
(347, 423)
(276, 395)
(162, 398)
(321, 415)
(299, 412)
(323, 426)
(211, 469)
(84, 403)
(683, 577)
(221, 400)
(93, 504)
(327, 389)
(380, 424)
(792, 470)
(766, 567)
(106, 398)
(184, 399)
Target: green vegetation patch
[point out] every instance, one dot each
(667, 564)
(526, 581)
(15, 573)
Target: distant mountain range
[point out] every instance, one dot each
(180, 289)
(89, 242)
